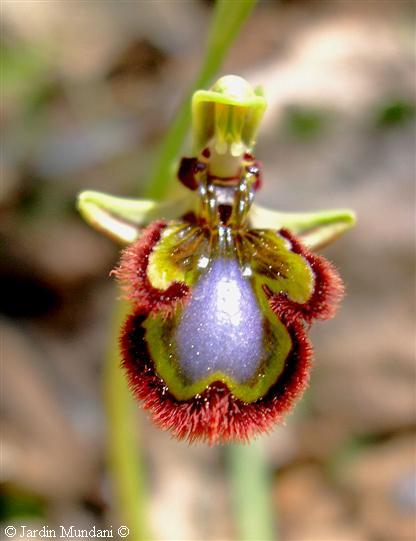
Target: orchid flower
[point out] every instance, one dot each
(222, 291)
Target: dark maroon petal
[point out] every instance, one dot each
(187, 170)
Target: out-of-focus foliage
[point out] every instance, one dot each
(395, 113)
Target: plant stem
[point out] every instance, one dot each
(124, 459)
(250, 483)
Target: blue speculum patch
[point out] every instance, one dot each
(221, 328)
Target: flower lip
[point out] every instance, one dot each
(166, 313)
(157, 273)
(215, 415)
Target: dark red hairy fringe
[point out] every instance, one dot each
(328, 292)
(214, 416)
(132, 274)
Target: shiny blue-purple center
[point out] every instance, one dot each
(221, 328)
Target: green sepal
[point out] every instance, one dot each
(121, 218)
(315, 229)
(230, 112)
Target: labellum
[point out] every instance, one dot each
(216, 345)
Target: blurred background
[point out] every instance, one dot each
(88, 90)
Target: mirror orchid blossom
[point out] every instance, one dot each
(222, 291)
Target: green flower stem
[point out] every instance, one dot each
(125, 461)
(228, 17)
(250, 483)
(247, 467)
